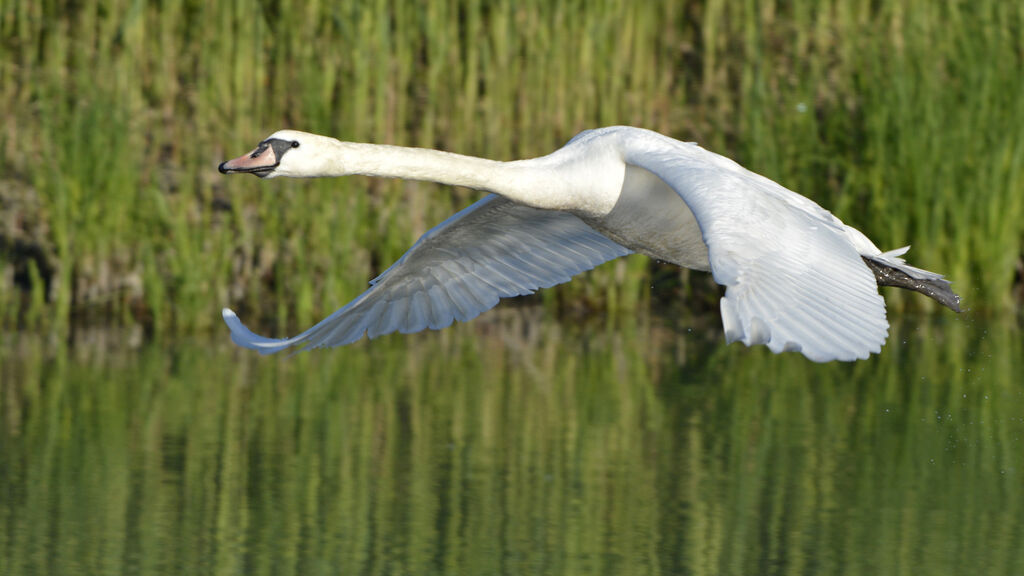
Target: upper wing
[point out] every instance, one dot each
(492, 249)
(794, 278)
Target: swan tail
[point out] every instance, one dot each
(248, 339)
(891, 270)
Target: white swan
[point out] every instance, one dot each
(796, 277)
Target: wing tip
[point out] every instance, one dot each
(242, 336)
(742, 325)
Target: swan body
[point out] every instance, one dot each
(797, 278)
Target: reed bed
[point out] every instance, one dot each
(903, 118)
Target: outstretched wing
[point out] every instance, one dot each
(794, 278)
(493, 249)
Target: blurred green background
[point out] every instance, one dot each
(614, 443)
(904, 118)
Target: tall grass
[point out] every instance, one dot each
(905, 119)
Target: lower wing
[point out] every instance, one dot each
(491, 250)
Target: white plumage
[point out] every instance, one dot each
(796, 277)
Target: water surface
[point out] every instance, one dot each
(514, 445)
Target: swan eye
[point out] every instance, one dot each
(295, 144)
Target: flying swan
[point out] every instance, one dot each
(796, 277)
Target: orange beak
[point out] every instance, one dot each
(260, 162)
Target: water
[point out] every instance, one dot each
(514, 445)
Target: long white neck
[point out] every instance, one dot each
(531, 182)
(584, 177)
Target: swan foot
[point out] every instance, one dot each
(932, 285)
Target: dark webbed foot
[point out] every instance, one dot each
(935, 288)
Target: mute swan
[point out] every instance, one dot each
(796, 277)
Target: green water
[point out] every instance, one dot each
(516, 444)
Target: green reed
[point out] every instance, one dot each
(903, 119)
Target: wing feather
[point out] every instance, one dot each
(491, 250)
(794, 280)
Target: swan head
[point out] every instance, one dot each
(284, 153)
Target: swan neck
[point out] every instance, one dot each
(521, 180)
(417, 164)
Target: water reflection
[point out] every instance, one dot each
(514, 446)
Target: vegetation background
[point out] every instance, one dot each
(905, 118)
(512, 445)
